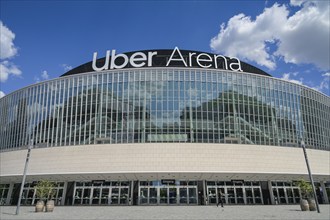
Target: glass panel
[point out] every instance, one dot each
(78, 196)
(249, 196)
(282, 196)
(86, 197)
(212, 196)
(239, 196)
(192, 195)
(289, 195)
(105, 196)
(143, 195)
(114, 196)
(296, 195)
(96, 196)
(183, 195)
(163, 195)
(153, 195)
(257, 195)
(231, 195)
(124, 196)
(173, 195)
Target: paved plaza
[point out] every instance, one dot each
(280, 212)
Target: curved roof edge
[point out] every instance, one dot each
(162, 57)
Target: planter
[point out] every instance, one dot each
(50, 205)
(312, 204)
(40, 206)
(304, 205)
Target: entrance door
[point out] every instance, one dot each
(192, 195)
(143, 196)
(249, 196)
(153, 196)
(163, 194)
(183, 195)
(172, 195)
(105, 196)
(257, 195)
(114, 196)
(231, 195)
(239, 196)
(96, 196)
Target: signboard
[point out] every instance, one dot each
(98, 182)
(237, 181)
(176, 58)
(168, 181)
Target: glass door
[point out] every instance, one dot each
(114, 196)
(86, 196)
(163, 194)
(249, 196)
(212, 195)
(239, 196)
(257, 195)
(231, 195)
(152, 196)
(105, 196)
(96, 196)
(183, 195)
(289, 194)
(143, 196)
(124, 196)
(281, 194)
(78, 196)
(173, 195)
(192, 195)
(296, 195)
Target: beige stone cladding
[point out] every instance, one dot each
(165, 157)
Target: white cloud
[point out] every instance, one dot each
(2, 94)
(7, 51)
(44, 75)
(66, 67)
(300, 38)
(7, 68)
(7, 46)
(324, 84)
(286, 76)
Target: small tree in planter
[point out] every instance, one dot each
(44, 191)
(306, 202)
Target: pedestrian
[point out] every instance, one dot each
(220, 199)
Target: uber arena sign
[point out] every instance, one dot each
(175, 59)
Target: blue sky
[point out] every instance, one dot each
(41, 40)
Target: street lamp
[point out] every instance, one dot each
(302, 143)
(24, 176)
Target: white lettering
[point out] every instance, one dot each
(134, 58)
(150, 55)
(114, 57)
(190, 56)
(176, 59)
(216, 61)
(139, 59)
(198, 59)
(238, 64)
(106, 63)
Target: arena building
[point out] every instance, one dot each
(165, 127)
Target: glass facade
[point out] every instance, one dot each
(165, 105)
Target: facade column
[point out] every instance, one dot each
(270, 188)
(65, 186)
(130, 200)
(206, 202)
(324, 193)
(10, 191)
